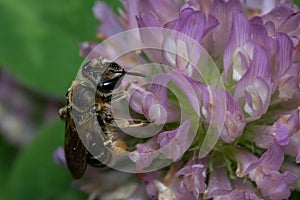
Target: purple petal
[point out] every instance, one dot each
(223, 11)
(281, 133)
(135, 98)
(260, 7)
(164, 11)
(263, 35)
(148, 179)
(284, 55)
(183, 43)
(87, 47)
(257, 99)
(141, 100)
(133, 8)
(272, 159)
(245, 159)
(239, 35)
(160, 91)
(203, 6)
(217, 109)
(145, 154)
(194, 175)
(147, 20)
(239, 194)
(278, 15)
(293, 148)
(270, 28)
(298, 157)
(293, 168)
(261, 136)
(177, 52)
(277, 186)
(246, 188)
(291, 25)
(292, 121)
(173, 144)
(234, 120)
(254, 87)
(186, 86)
(218, 184)
(152, 191)
(271, 183)
(167, 10)
(288, 84)
(59, 156)
(211, 24)
(192, 23)
(288, 87)
(240, 47)
(109, 22)
(152, 102)
(202, 94)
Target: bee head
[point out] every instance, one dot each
(105, 74)
(112, 70)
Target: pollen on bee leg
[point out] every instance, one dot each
(120, 145)
(273, 134)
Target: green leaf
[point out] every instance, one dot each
(7, 157)
(115, 5)
(295, 195)
(40, 40)
(36, 176)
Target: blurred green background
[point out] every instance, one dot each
(39, 58)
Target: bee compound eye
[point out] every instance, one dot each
(109, 85)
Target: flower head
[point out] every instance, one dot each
(225, 94)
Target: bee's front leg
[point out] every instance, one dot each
(118, 96)
(62, 112)
(129, 123)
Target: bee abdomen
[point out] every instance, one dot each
(94, 161)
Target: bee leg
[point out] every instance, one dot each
(121, 95)
(118, 96)
(63, 113)
(124, 123)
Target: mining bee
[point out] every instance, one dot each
(89, 98)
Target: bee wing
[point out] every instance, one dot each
(75, 151)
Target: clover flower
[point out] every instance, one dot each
(256, 113)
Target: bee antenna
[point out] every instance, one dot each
(135, 74)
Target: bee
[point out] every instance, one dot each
(91, 131)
